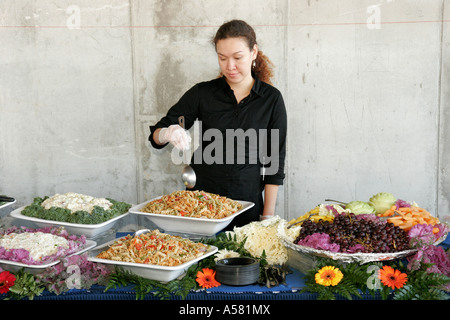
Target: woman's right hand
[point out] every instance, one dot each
(176, 135)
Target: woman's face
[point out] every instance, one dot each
(235, 59)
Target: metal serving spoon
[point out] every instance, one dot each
(141, 231)
(187, 174)
(300, 221)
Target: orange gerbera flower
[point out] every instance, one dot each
(392, 278)
(206, 279)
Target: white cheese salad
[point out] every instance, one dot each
(38, 244)
(76, 202)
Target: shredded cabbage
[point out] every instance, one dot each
(262, 236)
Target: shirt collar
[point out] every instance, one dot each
(256, 89)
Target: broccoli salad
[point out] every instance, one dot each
(75, 208)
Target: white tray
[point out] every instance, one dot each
(148, 271)
(189, 225)
(89, 230)
(7, 204)
(14, 266)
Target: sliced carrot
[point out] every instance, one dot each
(407, 225)
(396, 221)
(421, 220)
(407, 217)
(389, 212)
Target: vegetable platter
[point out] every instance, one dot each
(183, 216)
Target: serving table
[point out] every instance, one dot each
(289, 291)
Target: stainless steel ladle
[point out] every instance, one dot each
(141, 231)
(187, 174)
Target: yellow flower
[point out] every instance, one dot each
(329, 276)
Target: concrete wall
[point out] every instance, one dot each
(366, 85)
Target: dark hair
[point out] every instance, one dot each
(240, 29)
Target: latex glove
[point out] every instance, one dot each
(176, 135)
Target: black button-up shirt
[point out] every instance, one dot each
(228, 169)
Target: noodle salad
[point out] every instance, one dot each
(195, 204)
(154, 248)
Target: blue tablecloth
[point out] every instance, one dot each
(289, 291)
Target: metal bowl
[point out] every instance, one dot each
(240, 271)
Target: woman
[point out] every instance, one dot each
(242, 102)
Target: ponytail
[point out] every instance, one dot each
(263, 67)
